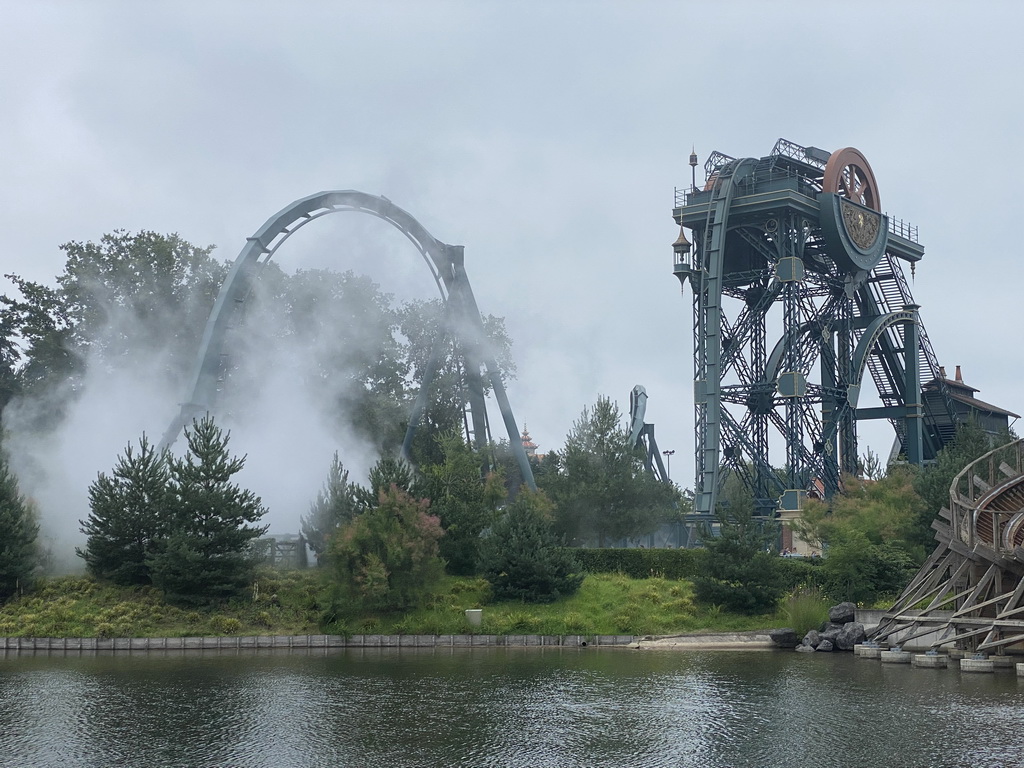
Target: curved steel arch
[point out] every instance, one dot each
(446, 264)
(874, 332)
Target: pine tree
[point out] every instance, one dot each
(129, 511)
(466, 503)
(206, 554)
(385, 473)
(740, 572)
(522, 559)
(18, 532)
(601, 491)
(335, 506)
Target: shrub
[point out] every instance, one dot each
(387, 558)
(225, 625)
(521, 559)
(805, 610)
(740, 575)
(863, 572)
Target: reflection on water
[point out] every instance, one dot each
(526, 707)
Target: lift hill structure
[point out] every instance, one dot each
(799, 293)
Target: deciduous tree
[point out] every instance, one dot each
(465, 502)
(387, 558)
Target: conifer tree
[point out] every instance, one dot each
(334, 507)
(129, 512)
(385, 473)
(522, 559)
(206, 554)
(18, 532)
(466, 503)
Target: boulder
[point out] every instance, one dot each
(851, 634)
(843, 613)
(784, 638)
(830, 631)
(825, 646)
(805, 649)
(812, 638)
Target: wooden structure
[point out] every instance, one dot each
(970, 592)
(284, 552)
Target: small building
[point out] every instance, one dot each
(966, 407)
(528, 445)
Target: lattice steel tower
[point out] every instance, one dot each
(798, 290)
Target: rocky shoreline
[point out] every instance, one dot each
(841, 632)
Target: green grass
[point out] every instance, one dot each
(284, 603)
(805, 610)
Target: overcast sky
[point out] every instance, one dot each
(545, 137)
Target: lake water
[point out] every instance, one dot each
(529, 707)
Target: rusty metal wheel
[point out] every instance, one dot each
(848, 175)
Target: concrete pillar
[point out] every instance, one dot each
(930, 660)
(977, 665)
(896, 656)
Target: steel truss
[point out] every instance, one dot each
(798, 290)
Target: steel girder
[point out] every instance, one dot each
(785, 322)
(463, 323)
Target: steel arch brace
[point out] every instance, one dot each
(912, 399)
(447, 269)
(708, 371)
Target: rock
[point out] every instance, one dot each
(812, 638)
(830, 631)
(784, 638)
(851, 634)
(843, 613)
(825, 646)
(805, 649)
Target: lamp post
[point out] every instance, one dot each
(668, 463)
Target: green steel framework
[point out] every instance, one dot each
(798, 291)
(462, 320)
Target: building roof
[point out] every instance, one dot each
(963, 393)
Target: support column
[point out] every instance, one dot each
(912, 388)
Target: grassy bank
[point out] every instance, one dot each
(283, 603)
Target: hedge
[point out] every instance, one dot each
(641, 563)
(679, 564)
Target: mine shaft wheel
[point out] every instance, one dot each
(848, 175)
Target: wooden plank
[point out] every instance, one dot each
(1004, 641)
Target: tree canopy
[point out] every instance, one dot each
(601, 490)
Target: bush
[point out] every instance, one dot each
(387, 558)
(805, 610)
(520, 558)
(863, 572)
(739, 574)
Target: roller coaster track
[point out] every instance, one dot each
(463, 322)
(972, 586)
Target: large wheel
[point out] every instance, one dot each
(848, 175)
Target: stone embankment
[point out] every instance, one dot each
(840, 633)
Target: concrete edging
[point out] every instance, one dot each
(247, 642)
